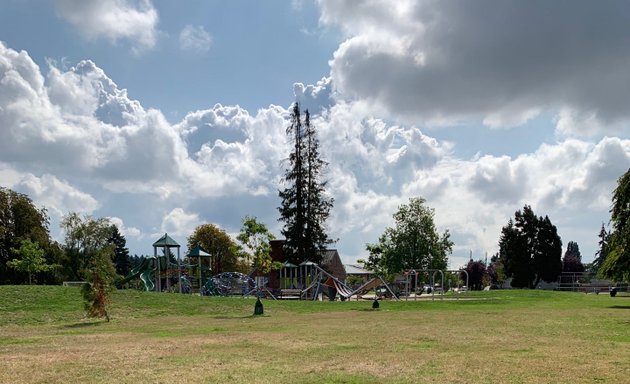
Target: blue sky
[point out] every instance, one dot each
(256, 53)
(164, 115)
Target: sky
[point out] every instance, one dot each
(166, 115)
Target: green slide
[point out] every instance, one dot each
(144, 271)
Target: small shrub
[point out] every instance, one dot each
(100, 276)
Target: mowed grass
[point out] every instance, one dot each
(496, 337)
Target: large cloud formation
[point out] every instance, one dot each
(444, 62)
(75, 141)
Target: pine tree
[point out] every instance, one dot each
(572, 259)
(548, 252)
(602, 253)
(318, 205)
(304, 207)
(514, 256)
(121, 253)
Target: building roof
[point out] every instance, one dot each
(166, 241)
(328, 255)
(357, 269)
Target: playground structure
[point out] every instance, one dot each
(414, 290)
(309, 281)
(230, 283)
(160, 273)
(166, 243)
(306, 281)
(155, 270)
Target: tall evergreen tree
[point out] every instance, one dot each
(617, 263)
(548, 252)
(530, 249)
(602, 252)
(572, 259)
(318, 205)
(304, 207)
(514, 256)
(120, 257)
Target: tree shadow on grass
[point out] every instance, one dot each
(619, 307)
(224, 317)
(83, 324)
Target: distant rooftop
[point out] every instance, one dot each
(357, 269)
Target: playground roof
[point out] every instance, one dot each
(307, 263)
(197, 252)
(287, 264)
(166, 241)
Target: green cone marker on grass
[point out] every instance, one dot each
(258, 307)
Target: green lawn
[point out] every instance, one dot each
(498, 337)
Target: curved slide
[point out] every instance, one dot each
(144, 271)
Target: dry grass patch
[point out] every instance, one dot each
(531, 338)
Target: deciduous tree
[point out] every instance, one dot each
(496, 271)
(31, 259)
(20, 219)
(476, 273)
(256, 237)
(220, 246)
(413, 243)
(84, 236)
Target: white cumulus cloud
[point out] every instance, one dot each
(195, 39)
(125, 230)
(114, 20)
(179, 222)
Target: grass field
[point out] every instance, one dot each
(500, 337)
